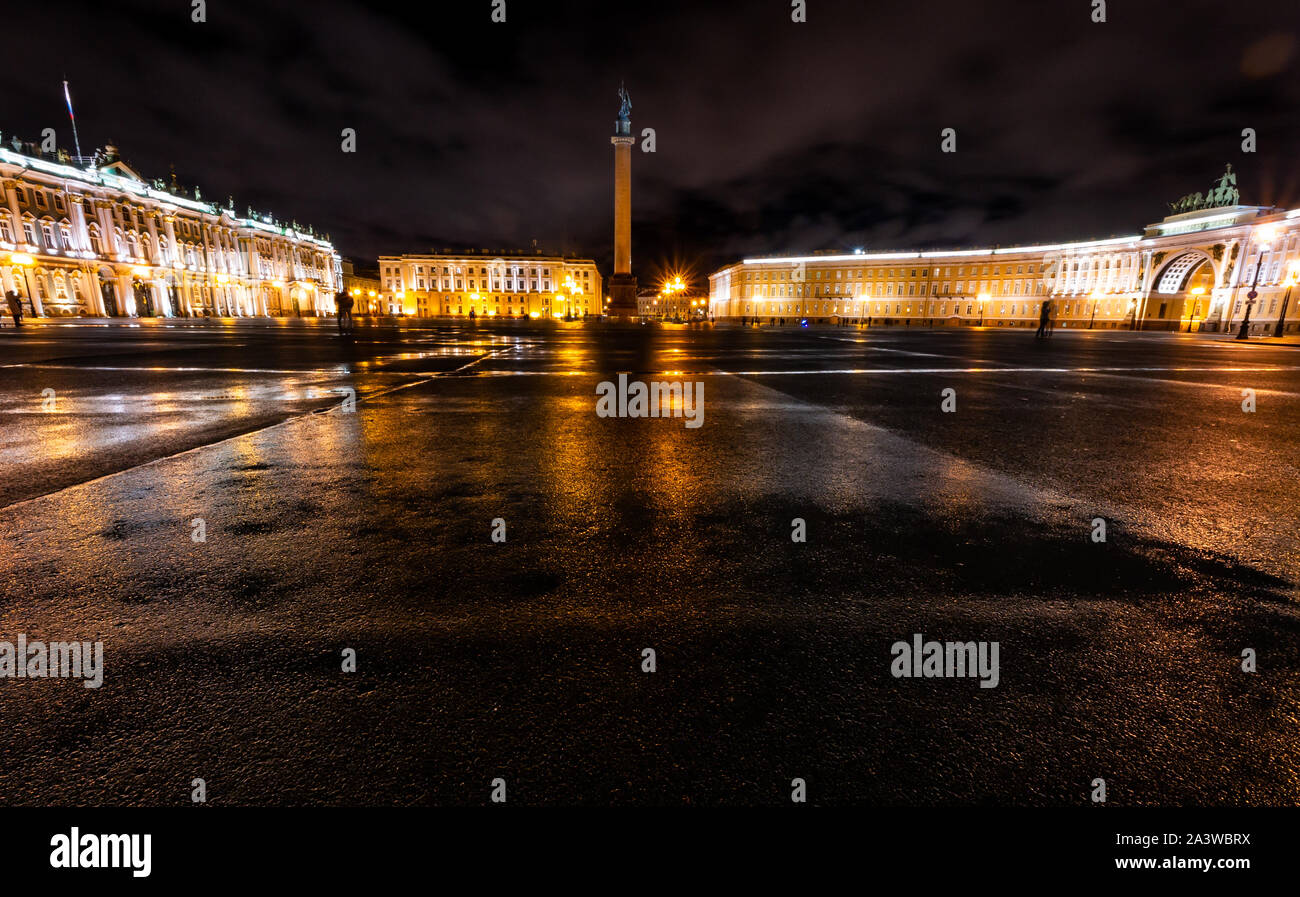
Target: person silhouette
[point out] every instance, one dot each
(343, 307)
(15, 307)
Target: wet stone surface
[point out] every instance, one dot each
(328, 529)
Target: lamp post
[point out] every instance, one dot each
(1265, 242)
(1291, 276)
(983, 297)
(1095, 296)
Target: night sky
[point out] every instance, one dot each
(772, 136)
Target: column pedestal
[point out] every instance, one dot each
(621, 289)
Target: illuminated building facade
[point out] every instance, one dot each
(364, 288)
(508, 285)
(675, 302)
(1192, 271)
(93, 237)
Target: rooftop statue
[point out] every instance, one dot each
(625, 106)
(1221, 195)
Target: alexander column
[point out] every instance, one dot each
(622, 285)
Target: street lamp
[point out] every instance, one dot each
(1292, 274)
(983, 297)
(1265, 242)
(1096, 294)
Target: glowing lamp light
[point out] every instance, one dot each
(1265, 234)
(22, 258)
(1198, 291)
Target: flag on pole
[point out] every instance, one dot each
(67, 95)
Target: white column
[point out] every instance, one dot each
(12, 198)
(79, 230)
(38, 310)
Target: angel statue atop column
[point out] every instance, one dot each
(625, 104)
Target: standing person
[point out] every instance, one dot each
(343, 310)
(15, 307)
(1044, 319)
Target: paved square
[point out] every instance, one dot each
(370, 530)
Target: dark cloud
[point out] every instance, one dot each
(772, 135)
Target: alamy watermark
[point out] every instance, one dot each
(77, 851)
(945, 660)
(36, 659)
(673, 398)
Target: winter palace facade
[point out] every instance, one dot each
(97, 239)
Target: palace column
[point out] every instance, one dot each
(622, 285)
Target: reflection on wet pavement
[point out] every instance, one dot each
(371, 530)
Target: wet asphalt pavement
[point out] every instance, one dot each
(370, 530)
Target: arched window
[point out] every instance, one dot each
(96, 244)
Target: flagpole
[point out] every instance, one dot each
(75, 139)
